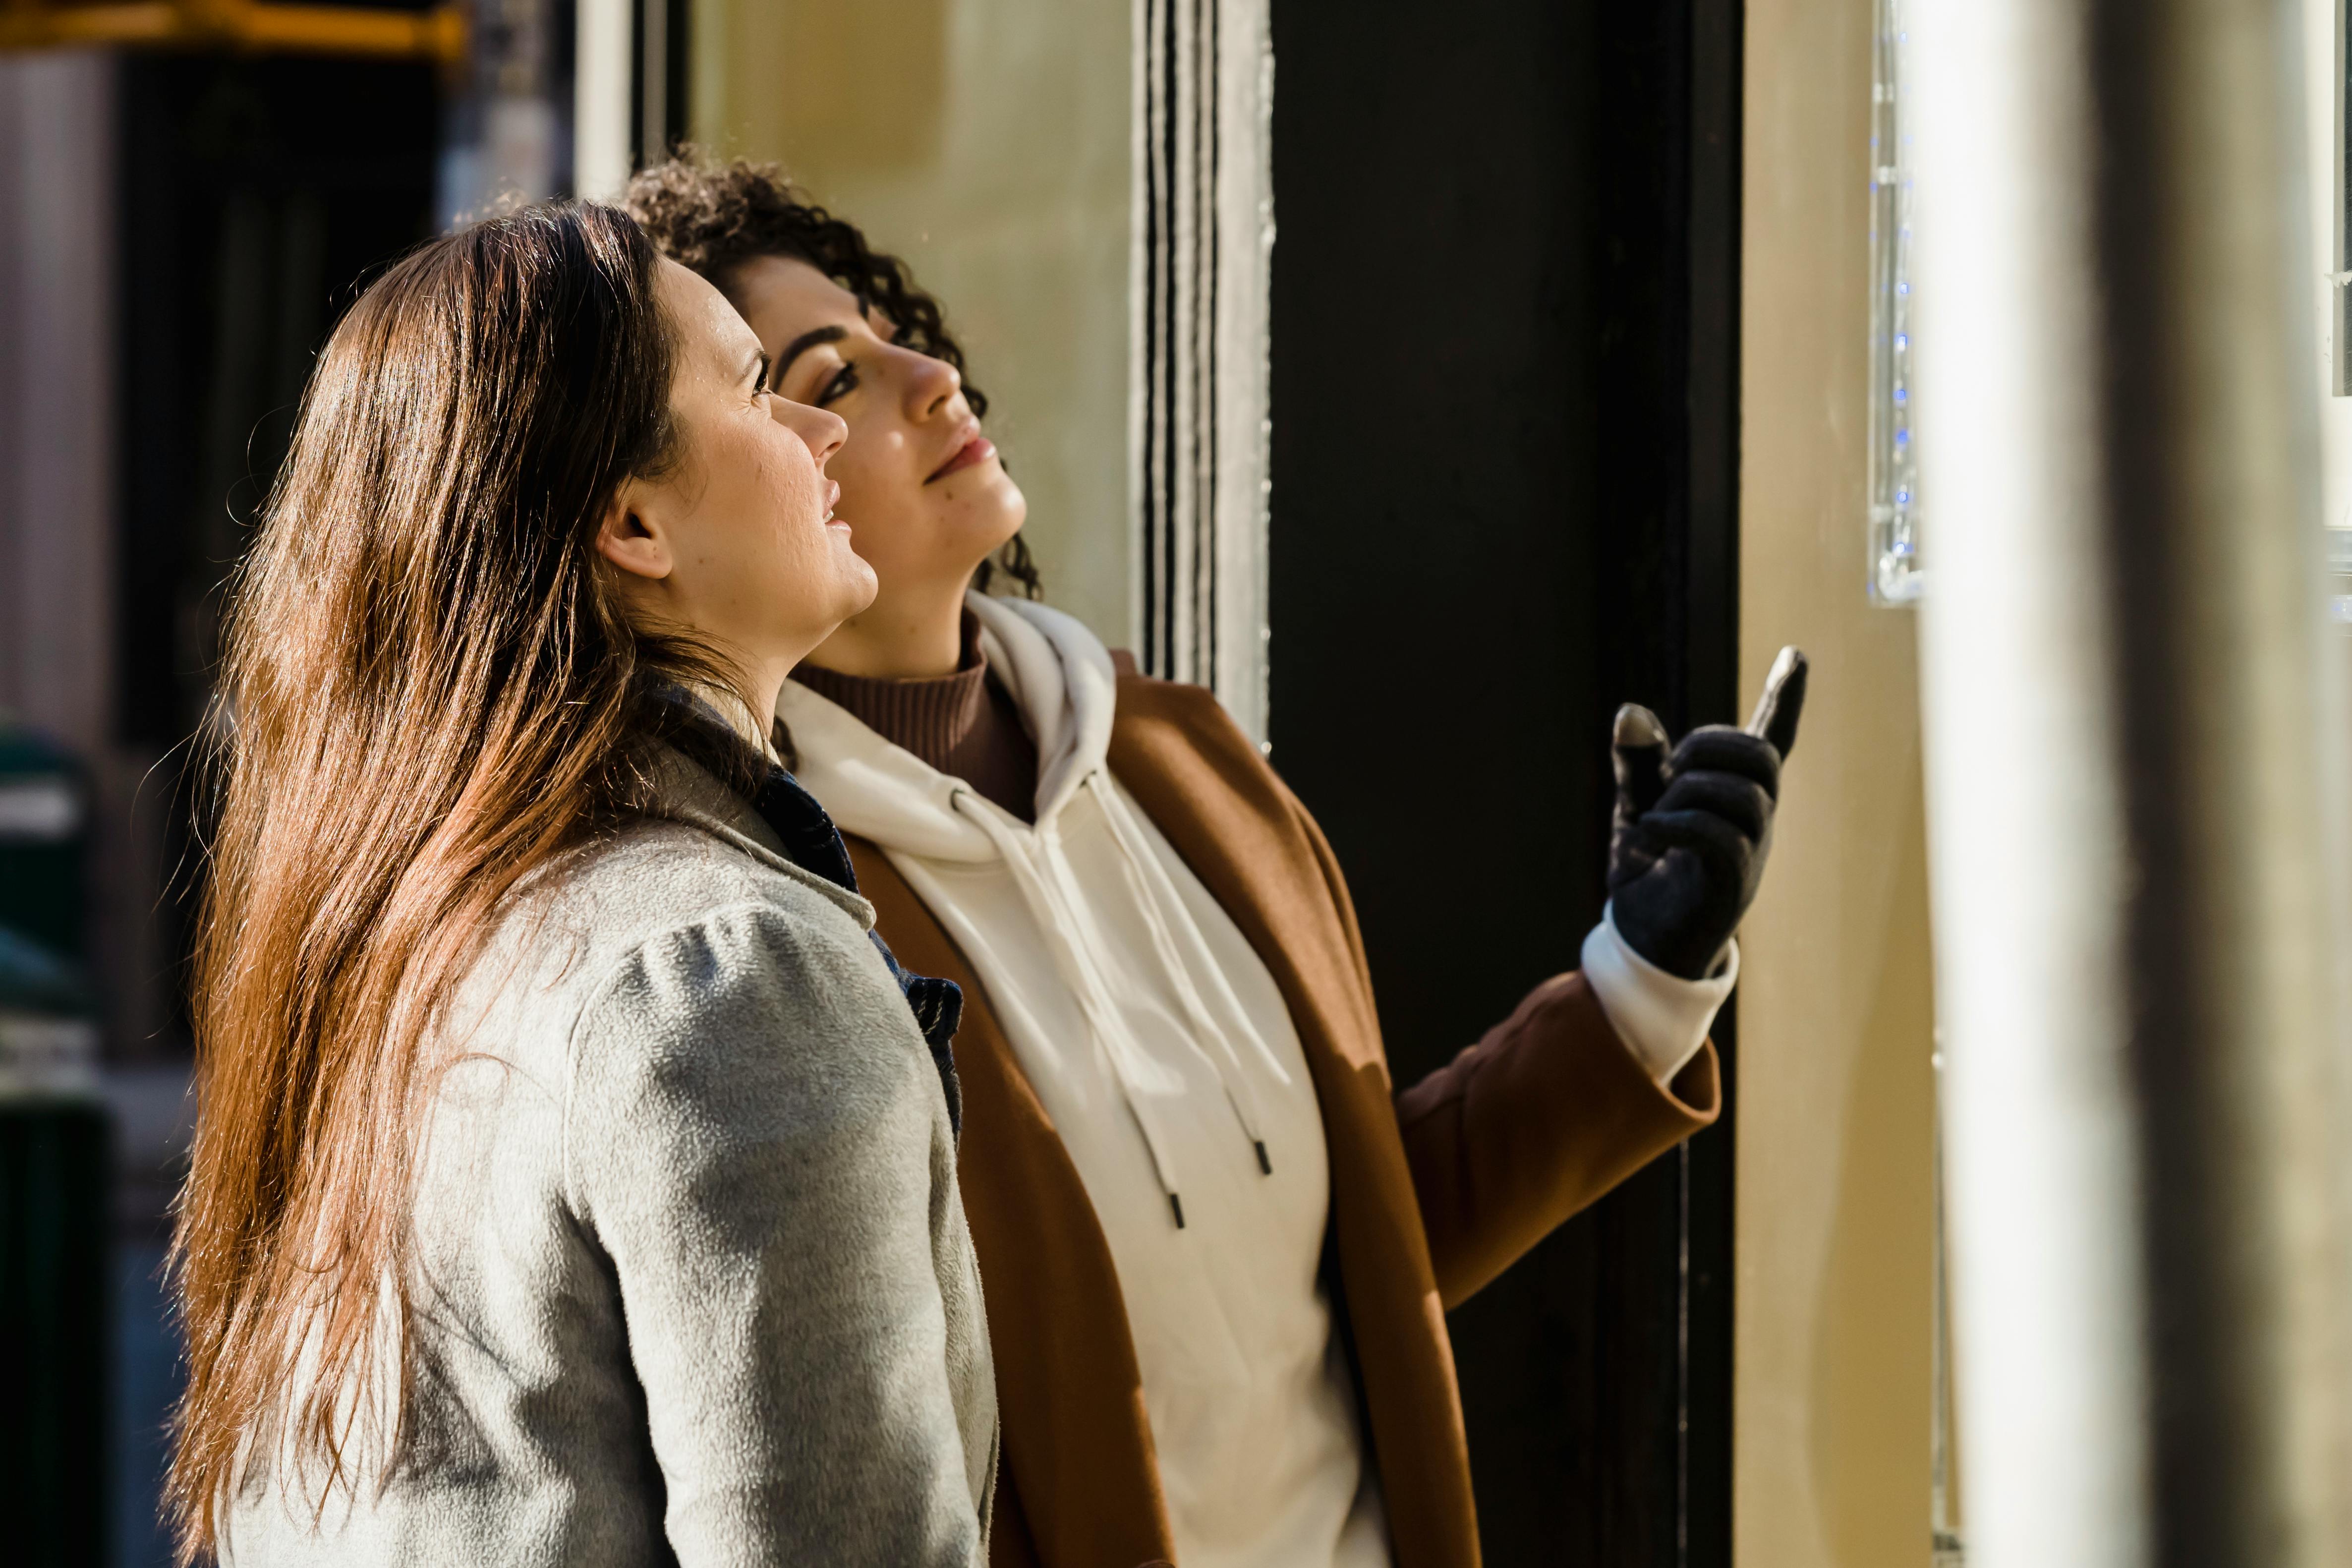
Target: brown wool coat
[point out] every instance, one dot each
(1433, 1192)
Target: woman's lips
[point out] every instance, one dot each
(979, 449)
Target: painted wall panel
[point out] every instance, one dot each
(1835, 1162)
(988, 144)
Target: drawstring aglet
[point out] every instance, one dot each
(1265, 1163)
(1176, 1205)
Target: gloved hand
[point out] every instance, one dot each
(1686, 846)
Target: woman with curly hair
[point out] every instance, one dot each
(574, 1176)
(1218, 1244)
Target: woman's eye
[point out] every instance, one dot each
(844, 381)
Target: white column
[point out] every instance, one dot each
(599, 103)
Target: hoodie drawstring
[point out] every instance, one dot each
(1054, 908)
(1153, 890)
(1056, 921)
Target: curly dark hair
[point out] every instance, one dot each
(714, 217)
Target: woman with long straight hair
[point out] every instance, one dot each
(574, 1173)
(1217, 1243)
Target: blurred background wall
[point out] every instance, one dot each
(179, 228)
(57, 403)
(987, 142)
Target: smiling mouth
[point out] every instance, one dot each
(979, 449)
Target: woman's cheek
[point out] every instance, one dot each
(789, 477)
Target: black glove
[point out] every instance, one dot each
(1687, 844)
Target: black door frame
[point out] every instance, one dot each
(1670, 99)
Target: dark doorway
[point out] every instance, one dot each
(259, 194)
(1504, 338)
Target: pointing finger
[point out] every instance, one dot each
(1638, 752)
(1783, 701)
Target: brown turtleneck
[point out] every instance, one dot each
(966, 724)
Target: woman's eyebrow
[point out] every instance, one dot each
(801, 345)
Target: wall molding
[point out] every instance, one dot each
(1199, 485)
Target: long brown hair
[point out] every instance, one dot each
(429, 692)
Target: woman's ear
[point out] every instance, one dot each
(628, 537)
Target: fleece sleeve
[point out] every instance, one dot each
(754, 1138)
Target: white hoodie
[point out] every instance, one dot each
(1160, 1045)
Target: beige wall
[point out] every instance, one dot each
(986, 141)
(1835, 1013)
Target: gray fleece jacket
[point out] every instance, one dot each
(692, 1283)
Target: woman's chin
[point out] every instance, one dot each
(858, 583)
(843, 538)
(992, 509)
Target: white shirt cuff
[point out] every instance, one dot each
(1663, 1018)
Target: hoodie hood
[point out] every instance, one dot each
(1058, 674)
(1062, 681)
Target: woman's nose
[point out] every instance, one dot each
(930, 383)
(821, 430)
(832, 430)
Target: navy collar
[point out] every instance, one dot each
(806, 831)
